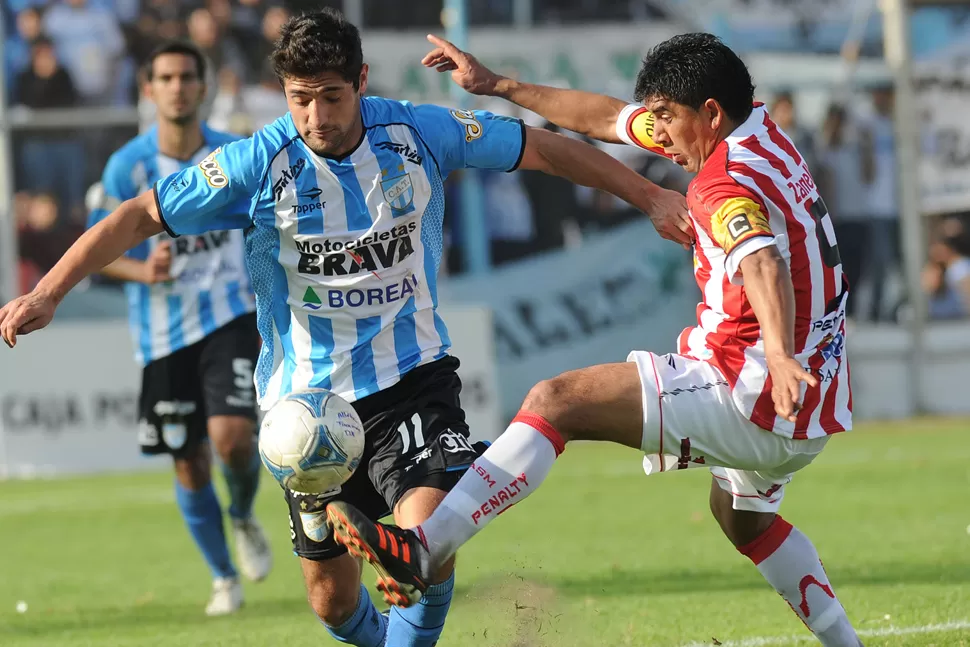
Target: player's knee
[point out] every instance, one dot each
(552, 400)
(741, 527)
(745, 527)
(233, 439)
(192, 471)
(237, 456)
(754, 525)
(333, 604)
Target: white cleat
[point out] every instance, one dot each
(252, 549)
(227, 596)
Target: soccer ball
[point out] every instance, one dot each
(311, 441)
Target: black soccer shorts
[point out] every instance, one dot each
(212, 377)
(415, 436)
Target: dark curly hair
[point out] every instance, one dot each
(316, 43)
(691, 68)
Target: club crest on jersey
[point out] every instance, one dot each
(398, 189)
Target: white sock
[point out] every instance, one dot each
(509, 471)
(790, 563)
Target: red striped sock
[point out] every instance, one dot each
(509, 471)
(790, 563)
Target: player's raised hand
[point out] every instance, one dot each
(158, 264)
(25, 315)
(465, 69)
(670, 218)
(787, 376)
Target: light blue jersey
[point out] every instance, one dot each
(344, 253)
(210, 285)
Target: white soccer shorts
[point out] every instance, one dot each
(690, 421)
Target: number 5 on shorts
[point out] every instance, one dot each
(243, 369)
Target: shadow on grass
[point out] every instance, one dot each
(620, 582)
(525, 591)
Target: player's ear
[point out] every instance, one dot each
(362, 85)
(713, 113)
(144, 82)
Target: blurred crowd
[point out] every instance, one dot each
(852, 156)
(853, 160)
(87, 54)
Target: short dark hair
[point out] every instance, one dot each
(691, 68)
(318, 42)
(176, 47)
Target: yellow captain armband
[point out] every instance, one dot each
(736, 220)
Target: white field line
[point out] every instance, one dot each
(772, 641)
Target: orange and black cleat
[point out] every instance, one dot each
(402, 562)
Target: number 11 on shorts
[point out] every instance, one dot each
(411, 428)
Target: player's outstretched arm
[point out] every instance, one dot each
(583, 164)
(768, 284)
(593, 115)
(131, 223)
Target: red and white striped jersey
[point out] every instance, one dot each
(754, 191)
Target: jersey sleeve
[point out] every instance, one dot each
(737, 223)
(114, 188)
(215, 194)
(471, 138)
(635, 127)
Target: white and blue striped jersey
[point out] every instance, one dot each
(210, 285)
(344, 252)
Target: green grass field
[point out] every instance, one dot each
(601, 556)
